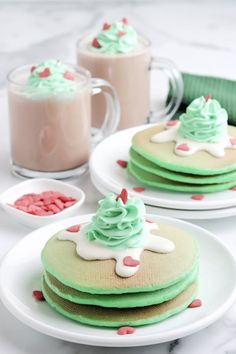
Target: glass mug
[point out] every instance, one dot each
(51, 136)
(129, 74)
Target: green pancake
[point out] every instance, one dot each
(115, 317)
(148, 166)
(157, 270)
(200, 163)
(120, 300)
(152, 180)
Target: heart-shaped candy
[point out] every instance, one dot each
(122, 163)
(139, 189)
(95, 43)
(195, 303)
(74, 228)
(45, 73)
(125, 21)
(106, 26)
(197, 196)
(69, 75)
(125, 330)
(38, 295)
(123, 196)
(130, 262)
(171, 123)
(183, 147)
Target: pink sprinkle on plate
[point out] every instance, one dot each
(74, 228)
(197, 197)
(139, 189)
(195, 303)
(122, 163)
(125, 330)
(38, 295)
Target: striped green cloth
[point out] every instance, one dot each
(221, 89)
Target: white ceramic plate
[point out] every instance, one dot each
(175, 213)
(21, 270)
(39, 185)
(116, 147)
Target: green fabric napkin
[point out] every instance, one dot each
(221, 89)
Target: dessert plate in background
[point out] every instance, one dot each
(16, 289)
(103, 164)
(175, 213)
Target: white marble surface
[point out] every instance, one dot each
(199, 37)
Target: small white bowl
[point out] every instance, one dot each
(39, 185)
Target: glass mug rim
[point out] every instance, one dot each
(76, 69)
(146, 41)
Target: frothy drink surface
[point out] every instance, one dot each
(51, 133)
(128, 73)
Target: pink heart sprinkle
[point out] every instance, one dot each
(74, 228)
(232, 141)
(38, 295)
(139, 189)
(125, 21)
(171, 123)
(95, 43)
(121, 33)
(122, 163)
(197, 196)
(130, 262)
(233, 188)
(69, 75)
(125, 330)
(183, 147)
(151, 222)
(106, 26)
(45, 73)
(195, 303)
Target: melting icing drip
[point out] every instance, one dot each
(127, 260)
(186, 147)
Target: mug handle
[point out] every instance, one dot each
(112, 115)
(176, 88)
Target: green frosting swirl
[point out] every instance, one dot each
(110, 41)
(204, 121)
(117, 224)
(55, 83)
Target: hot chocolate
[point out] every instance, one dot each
(122, 57)
(50, 118)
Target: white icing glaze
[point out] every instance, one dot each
(93, 250)
(171, 134)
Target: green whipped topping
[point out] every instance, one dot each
(117, 224)
(50, 77)
(118, 38)
(204, 121)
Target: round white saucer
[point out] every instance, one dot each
(21, 271)
(175, 213)
(103, 163)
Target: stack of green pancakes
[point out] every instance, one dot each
(92, 293)
(156, 164)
